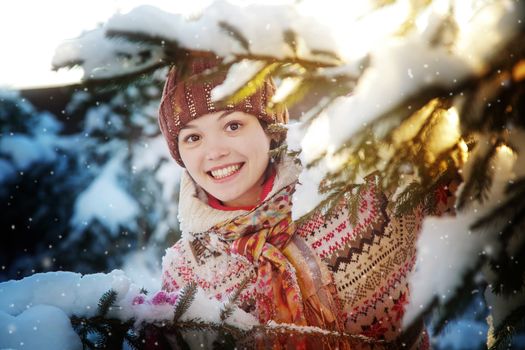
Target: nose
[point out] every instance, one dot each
(216, 150)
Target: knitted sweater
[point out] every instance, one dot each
(369, 262)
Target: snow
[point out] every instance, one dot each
(143, 267)
(105, 58)
(399, 68)
(262, 25)
(156, 154)
(105, 200)
(40, 327)
(71, 292)
(302, 329)
(238, 75)
(24, 151)
(37, 308)
(448, 248)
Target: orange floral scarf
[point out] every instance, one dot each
(292, 284)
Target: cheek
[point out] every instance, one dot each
(190, 158)
(259, 150)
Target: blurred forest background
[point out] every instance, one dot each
(86, 182)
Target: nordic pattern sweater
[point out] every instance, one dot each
(370, 262)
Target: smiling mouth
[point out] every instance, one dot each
(222, 173)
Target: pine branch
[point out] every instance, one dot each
(442, 172)
(327, 207)
(409, 199)
(196, 324)
(513, 227)
(487, 106)
(133, 341)
(232, 301)
(295, 96)
(306, 63)
(503, 61)
(277, 153)
(141, 38)
(330, 87)
(517, 186)
(514, 203)
(276, 128)
(481, 177)
(106, 301)
(186, 297)
(509, 268)
(100, 332)
(236, 34)
(352, 203)
(326, 53)
(363, 156)
(117, 82)
(501, 337)
(290, 38)
(248, 89)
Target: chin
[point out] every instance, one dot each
(225, 197)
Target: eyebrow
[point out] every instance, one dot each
(186, 126)
(225, 114)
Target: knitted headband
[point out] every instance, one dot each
(189, 99)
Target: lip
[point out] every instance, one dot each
(227, 178)
(223, 166)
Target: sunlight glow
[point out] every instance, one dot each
(506, 150)
(350, 20)
(30, 31)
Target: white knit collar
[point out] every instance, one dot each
(196, 216)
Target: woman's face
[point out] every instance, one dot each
(227, 155)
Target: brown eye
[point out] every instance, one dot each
(233, 126)
(192, 138)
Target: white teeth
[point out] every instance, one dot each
(224, 172)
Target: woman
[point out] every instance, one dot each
(235, 214)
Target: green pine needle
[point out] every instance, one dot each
(141, 38)
(236, 34)
(409, 199)
(326, 53)
(480, 181)
(186, 297)
(509, 213)
(352, 204)
(232, 302)
(290, 38)
(276, 128)
(278, 152)
(251, 87)
(297, 94)
(501, 337)
(106, 301)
